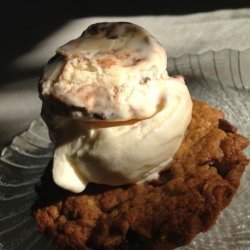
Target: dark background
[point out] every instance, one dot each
(25, 23)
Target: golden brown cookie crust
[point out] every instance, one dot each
(167, 213)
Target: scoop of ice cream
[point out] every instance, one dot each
(111, 71)
(115, 115)
(128, 153)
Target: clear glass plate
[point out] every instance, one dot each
(222, 79)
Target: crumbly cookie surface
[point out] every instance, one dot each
(164, 214)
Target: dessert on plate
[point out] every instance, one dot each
(147, 167)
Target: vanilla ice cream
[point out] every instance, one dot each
(115, 115)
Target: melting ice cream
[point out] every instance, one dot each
(115, 115)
